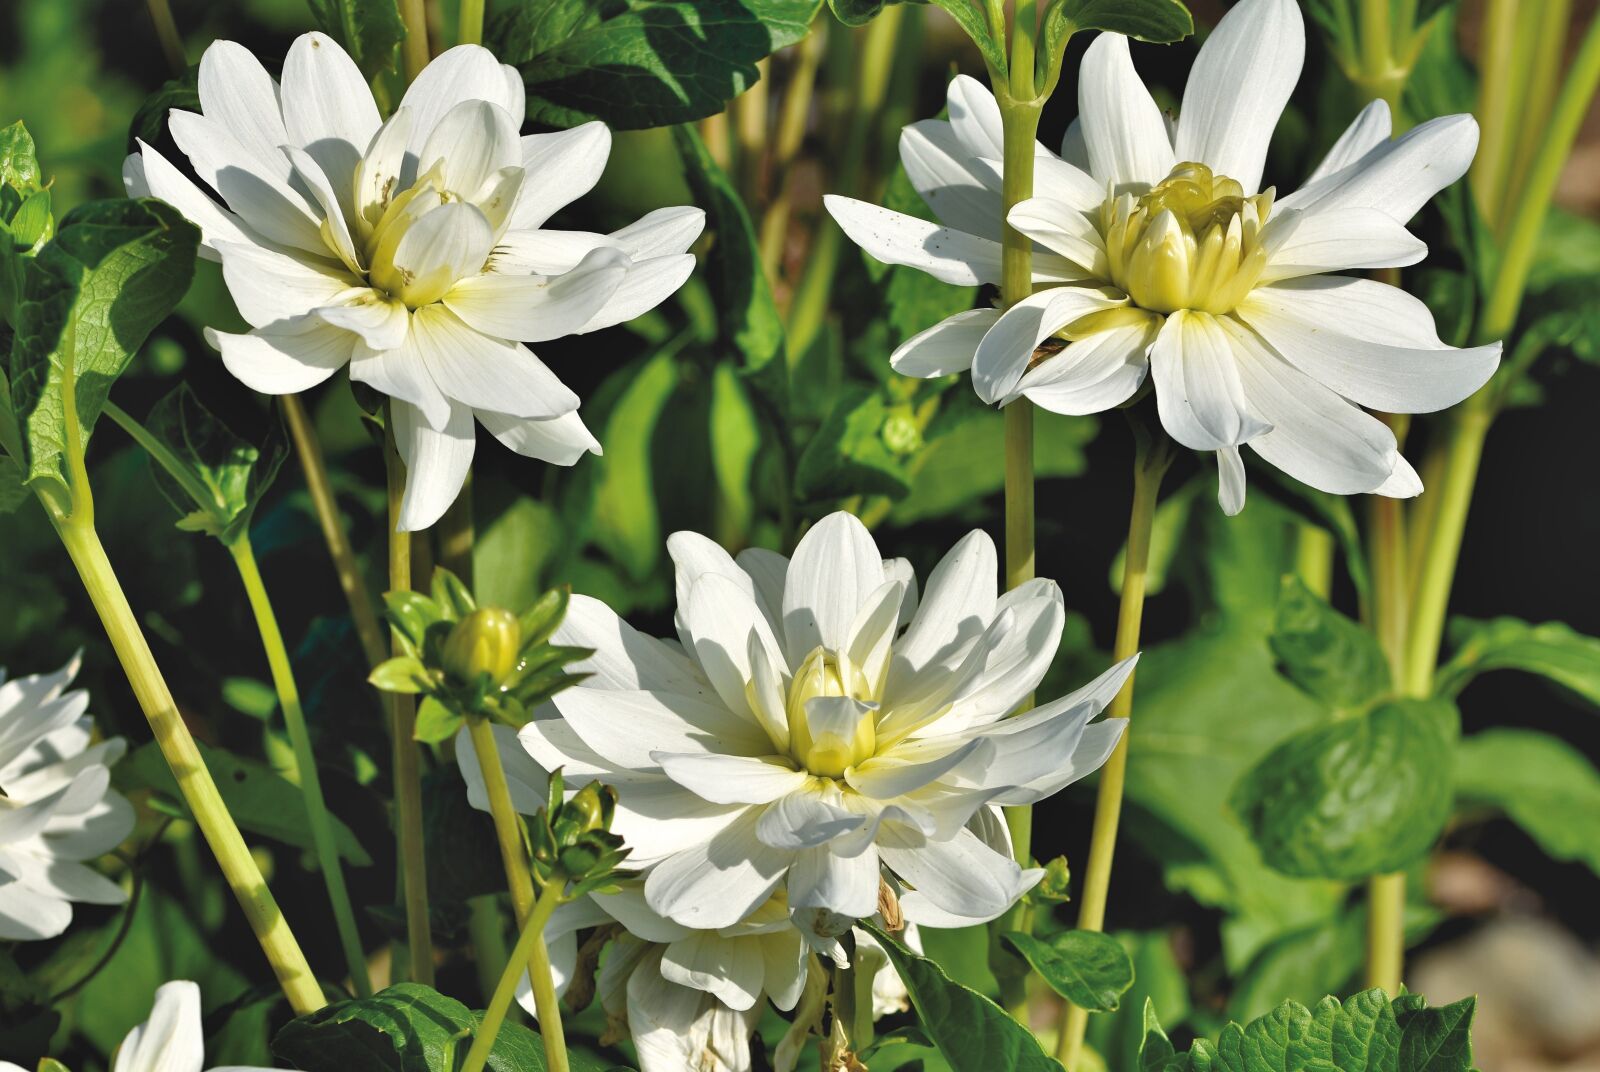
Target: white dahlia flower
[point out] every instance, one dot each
(801, 740)
(172, 1040)
(57, 808)
(1178, 263)
(411, 249)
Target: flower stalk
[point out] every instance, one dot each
(530, 943)
(406, 756)
(1153, 454)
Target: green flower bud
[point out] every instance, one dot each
(484, 643)
(1057, 882)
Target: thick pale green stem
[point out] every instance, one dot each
(1150, 465)
(1495, 93)
(544, 991)
(294, 720)
(188, 768)
(363, 610)
(1546, 43)
(407, 757)
(471, 24)
(414, 49)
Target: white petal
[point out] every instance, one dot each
(661, 818)
(328, 110)
(240, 97)
(377, 176)
(909, 766)
(872, 631)
(732, 779)
(629, 908)
(1122, 127)
(1094, 748)
(1066, 183)
(647, 284)
(835, 567)
(730, 968)
(693, 555)
(628, 727)
(334, 231)
(1333, 239)
(286, 358)
(447, 244)
(768, 571)
(892, 237)
(1230, 481)
(1091, 375)
(260, 193)
(975, 115)
(729, 634)
(526, 780)
(1074, 149)
(1006, 351)
(464, 73)
(26, 916)
(162, 180)
(535, 308)
(485, 372)
(806, 818)
(1317, 437)
(1396, 177)
(963, 875)
(270, 287)
(625, 658)
(848, 885)
(561, 167)
(560, 440)
(1366, 132)
(957, 605)
(661, 233)
(1063, 228)
(436, 462)
(382, 322)
(472, 143)
(1238, 87)
(717, 883)
(786, 962)
(941, 169)
(1196, 374)
(171, 1040)
(1374, 344)
(401, 374)
(1403, 483)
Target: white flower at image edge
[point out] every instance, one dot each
(821, 730)
(1177, 264)
(411, 249)
(171, 1040)
(57, 808)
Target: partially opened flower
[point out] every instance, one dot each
(802, 740)
(172, 1039)
(57, 808)
(1191, 271)
(412, 249)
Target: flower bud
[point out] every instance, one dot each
(1055, 887)
(484, 643)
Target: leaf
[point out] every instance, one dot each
(370, 30)
(1542, 784)
(19, 164)
(747, 315)
(1364, 1033)
(13, 492)
(407, 1027)
(626, 521)
(151, 119)
(1325, 653)
(260, 799)
(969, 16)
(436, 722)
(1158, 981)
(972, 1032)
(403, 673)
(1157, 21)
(645, 63)
(211, 476)
(1360, 796)
(853, 453)
(1551, 650)
(1088, 968)
(114, 270)
(856, 12)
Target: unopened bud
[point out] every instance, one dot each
(1055, 887)
(484, 643)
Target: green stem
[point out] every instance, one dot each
(544, 991)
(1313, 560)
(294, 718)
(167, 32)
(471, 24)
(1494, 106)
(1151, 460)
(792, 118)
(351, 581)
(183, 757)
(406, 756)
(875, 62)
(414, 49)
(1386, 931)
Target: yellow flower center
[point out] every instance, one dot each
(830, 727)
(1192, 242)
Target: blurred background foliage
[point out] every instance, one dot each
(698, 435)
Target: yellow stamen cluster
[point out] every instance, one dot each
(1192, 242)
(828, 738)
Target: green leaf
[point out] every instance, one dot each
(1088, 968)
(114, 270)
(1364, 1033)
(854, 452)
(626, 520)
(403, 673)
(1158, 21)
(969, 16)
(151, 119)
(19, 166)
(856, 12)
(213, 478)
(370, 30)
(407, 1028)
(261, 800)
(436, 723)
(1551, 650)
(646, 63)
(972, 1032)
(1357, 797)
(1325, 653)
(1542, 784)
(746, 312)
(13, 492)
